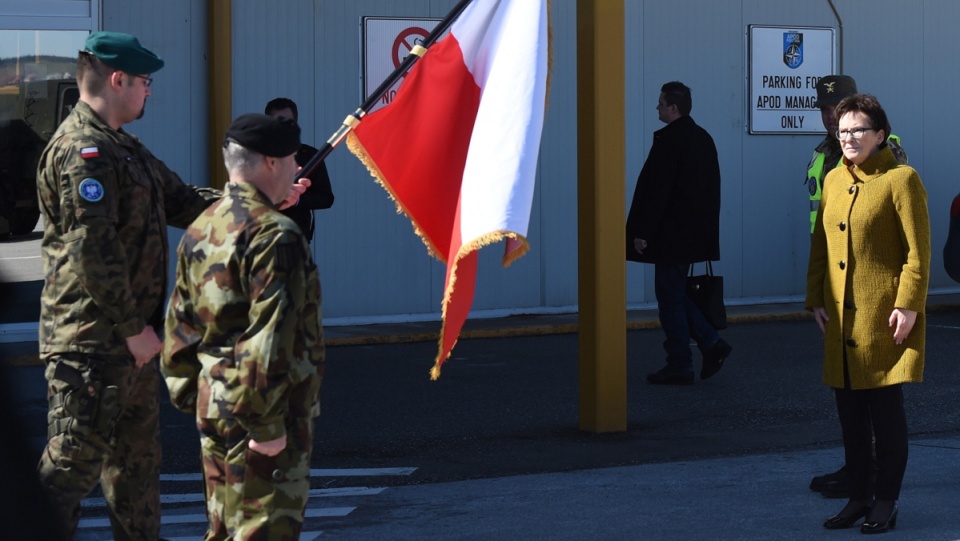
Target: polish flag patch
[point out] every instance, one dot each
(89, 152)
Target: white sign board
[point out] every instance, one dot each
(785, 64)
(386, 42)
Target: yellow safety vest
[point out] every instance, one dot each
(815, 174)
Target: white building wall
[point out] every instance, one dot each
(373, 266)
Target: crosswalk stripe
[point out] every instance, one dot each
(199, 518)
(361, 472)
(304, 536)
(187, 519)
(317, 472)
(345, 492)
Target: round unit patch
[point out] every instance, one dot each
(91, 190)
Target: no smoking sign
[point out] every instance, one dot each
(386, 43)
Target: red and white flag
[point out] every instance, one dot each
(457, 147)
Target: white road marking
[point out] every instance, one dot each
(199, 518)
(304, 536)
(345, 472)
(165, 499)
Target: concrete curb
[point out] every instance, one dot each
(514, 326)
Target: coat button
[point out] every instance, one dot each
(852, 189)
(843, 265)
(278, 475)
(851, 342)
(843, 226)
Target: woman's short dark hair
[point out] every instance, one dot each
(868, 106)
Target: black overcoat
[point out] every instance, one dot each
(676, 204)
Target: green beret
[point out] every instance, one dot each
(123, 52)
(275, 137)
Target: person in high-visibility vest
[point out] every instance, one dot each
(826, 156)
(830, 90)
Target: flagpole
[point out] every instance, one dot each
(353, 119)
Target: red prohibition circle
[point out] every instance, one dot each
(405, 43)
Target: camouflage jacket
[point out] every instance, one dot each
(243, 335)
(106, 202)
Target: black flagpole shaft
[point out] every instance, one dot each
(353, 119)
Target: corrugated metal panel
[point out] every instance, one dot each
(174, 124)
(557, 184)
(374, 267)
(926, 112)
(371, 261)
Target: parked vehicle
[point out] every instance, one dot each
(30, 113)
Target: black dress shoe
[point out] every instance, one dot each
(832, 485)
(669, 375)
(713, 358)
(820, 481)
(876, 526)
(842, 522)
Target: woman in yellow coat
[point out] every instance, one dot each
(867, 288)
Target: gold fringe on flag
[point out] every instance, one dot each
(356, 147)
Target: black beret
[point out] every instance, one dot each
(122, 52)
(833, 88)
(276, 137)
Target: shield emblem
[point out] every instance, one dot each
(793, 49)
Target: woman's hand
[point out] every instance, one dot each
(902, 320)
(820, 314)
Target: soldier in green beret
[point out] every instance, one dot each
(107, 202)
(244, 346)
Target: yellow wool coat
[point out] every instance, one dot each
(870, 253)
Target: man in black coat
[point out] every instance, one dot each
(674, 221)
(319, 195)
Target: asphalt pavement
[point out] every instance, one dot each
(499, 455)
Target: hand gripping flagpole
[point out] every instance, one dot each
(353, 119)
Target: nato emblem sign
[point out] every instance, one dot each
(793, 49)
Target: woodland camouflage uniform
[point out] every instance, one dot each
(244, 352)
(106, 202)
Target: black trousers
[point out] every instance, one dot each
(864, 414)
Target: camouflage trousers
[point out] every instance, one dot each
(251, 496)
(103, 423)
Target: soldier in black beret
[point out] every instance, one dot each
(272, 138)
(247, 300)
